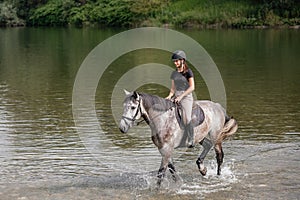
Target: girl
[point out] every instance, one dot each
(182, 87)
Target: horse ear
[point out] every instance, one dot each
(136, 95)
(126, 92)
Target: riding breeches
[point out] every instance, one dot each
(187, 106)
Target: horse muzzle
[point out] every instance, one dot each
(123, 126)
(122, 129)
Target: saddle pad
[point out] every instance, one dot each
(197, 115)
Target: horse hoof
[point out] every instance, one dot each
(157, 188)
(203, 171)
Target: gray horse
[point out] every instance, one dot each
(167, 134)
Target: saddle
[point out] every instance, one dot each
(197, 115)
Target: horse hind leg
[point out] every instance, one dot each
(219, 156)
(207, 144)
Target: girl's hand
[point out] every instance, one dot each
(178, 99)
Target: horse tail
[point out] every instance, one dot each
(230, 127)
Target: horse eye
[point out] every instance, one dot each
(132, 107)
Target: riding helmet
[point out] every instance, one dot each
(178, 55)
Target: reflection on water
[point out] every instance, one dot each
(41, 153)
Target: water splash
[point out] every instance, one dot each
(211, 182)
(188, 183)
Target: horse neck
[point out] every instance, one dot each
(155, 102)
(154, 106)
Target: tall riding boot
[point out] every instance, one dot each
(190, 131)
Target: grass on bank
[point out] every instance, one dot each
(234, 13)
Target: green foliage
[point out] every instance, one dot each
(24, 6)
(113, 13)
(104, 12)
(144, 9)
(55, 12)
(78, 16)
(131, 13)
(8, 15)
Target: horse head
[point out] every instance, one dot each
(132, 110)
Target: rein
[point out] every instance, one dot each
(145, 118)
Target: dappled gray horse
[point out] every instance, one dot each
(167, 134)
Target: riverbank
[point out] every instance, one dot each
(179, 13)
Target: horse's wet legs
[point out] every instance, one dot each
(165, 163)
(161, 175)
(207, 144)
(172, 170)
(219, 156)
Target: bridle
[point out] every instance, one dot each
(139, 109)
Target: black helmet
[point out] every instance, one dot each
(178, 55)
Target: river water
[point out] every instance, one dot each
(42, 155)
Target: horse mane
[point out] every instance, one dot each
(155, 102)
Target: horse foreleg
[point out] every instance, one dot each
(219, 156)
(163, 167)
(207, 144)
(172, 170)
(162, 172)
(161, 175)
